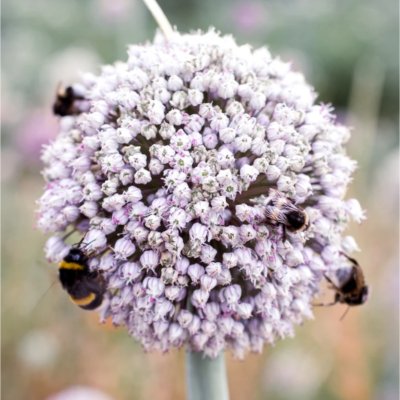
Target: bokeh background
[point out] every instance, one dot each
(348, 50)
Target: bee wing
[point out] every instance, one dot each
(343, 275)
(273, 214)
(290, 206)
(339, 277)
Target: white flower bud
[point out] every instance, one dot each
(56, 249)
(154, 286)
(71, 213)
(94, 240)
(198, 233)
(248, 173)
(214, 269)
(208, 254)
(200, 298)
(195, 271)
(230, 260)
(124, 248)
(89, 209)
(244, 310)
(149, 260)
(142, 176)
(126, 176)
(130, 271)
(195, 97)
(354, 209)
(208, 283)
(231, 294)
(185, 318)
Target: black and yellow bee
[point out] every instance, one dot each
(85, 288)
(64, 103)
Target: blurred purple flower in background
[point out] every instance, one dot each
(116, 10)
(249, 16)
(39, 128)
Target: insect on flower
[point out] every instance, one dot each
(281, 210)
(85, 288)
(351, 289)
(64, 103)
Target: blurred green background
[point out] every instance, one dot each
(348, 50)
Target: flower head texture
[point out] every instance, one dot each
(184, 171)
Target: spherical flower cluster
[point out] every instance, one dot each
(167, 173)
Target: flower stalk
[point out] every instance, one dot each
(206, 377)
(160, 18)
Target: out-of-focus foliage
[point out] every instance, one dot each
(348, 50)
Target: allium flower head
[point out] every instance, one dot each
(175, 173)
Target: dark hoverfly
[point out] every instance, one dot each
(85, 288)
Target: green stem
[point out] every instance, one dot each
(206, 377)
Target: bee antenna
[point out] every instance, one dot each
(68, 234)
(85, 244)
(344, 314)
(79, 243)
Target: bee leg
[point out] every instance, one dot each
(344, 314)
(353, 260)
(333, 286)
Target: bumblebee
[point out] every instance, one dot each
(351, 289)
(281, 210)
(65, 101)
(85, 288)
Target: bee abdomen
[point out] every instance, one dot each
(89, 302)
(296, 220)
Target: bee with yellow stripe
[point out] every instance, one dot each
(85, 288)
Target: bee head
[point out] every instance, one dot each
(69, 92)
(297, 220)
(75, 255)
